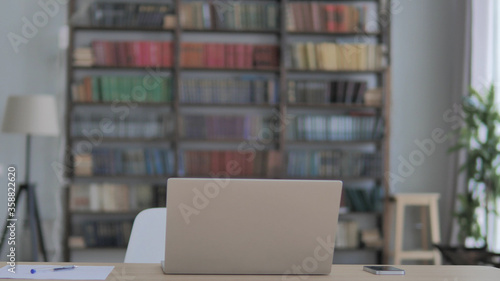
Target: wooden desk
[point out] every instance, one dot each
(153, 272)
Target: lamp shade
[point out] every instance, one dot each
(31, 114)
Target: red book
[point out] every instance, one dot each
(192, 55)
(121, 54)
(136, 53)
(166, 54)
(214, 161)
(129, 46)
(221, 55)
(234, 48)
(186, 54)
(331, 21)
(199, 54)
(216, 55)
(145, 53)
(210, 54)
(231, 156)
(155, 53)
(240, 56)
(205, 162)
(206, 58)
(249, 58)
(229, 51)
(110, 52)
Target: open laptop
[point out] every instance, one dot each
(250, 226)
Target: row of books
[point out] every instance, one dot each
(332, 56)
(235, 15)
(231, 163)
(347, 235)
(133, 53)
(153, 125)
(122, 88)
(325, 92)
(333, 128)
(333, 163)
(232, 56)
(109, 14)
(223, 91)
(301, 16)
(363, 199)
(107, 161)
(222, 127)
(109, 197)
(329, 17)
(307, 56)
(107, 233)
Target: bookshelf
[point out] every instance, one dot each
(297, 116)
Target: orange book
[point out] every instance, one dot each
(331, 21)
(87, 83)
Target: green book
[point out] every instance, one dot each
(105, 89)
(127, 89)
(121, 88)
(272, 17)
(96, 96)
(157, 92)
(113, 85)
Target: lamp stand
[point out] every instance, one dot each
(35, 226)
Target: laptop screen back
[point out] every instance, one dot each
(243, 226)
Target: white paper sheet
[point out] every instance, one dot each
(79, 273)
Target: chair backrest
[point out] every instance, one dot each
(147, 240)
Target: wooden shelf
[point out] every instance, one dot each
(134, 103)
(332, 106)
(128, 140)
(233, 31)
(120, 28)
(336, 34)
(122, 68)
(333, 142)
(301, 71)
(262, 70)
(218, 141)
(239, 105)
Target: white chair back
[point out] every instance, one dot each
(147, 240)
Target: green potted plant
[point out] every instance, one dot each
(479, 137)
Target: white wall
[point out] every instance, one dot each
(426, 54)
(34, 69)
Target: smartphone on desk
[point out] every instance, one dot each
(384, 270)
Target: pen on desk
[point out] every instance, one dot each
(56, 268)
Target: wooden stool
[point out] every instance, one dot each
(424, 200)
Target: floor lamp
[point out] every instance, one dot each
(30, 115)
